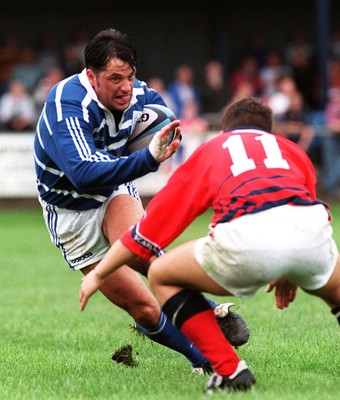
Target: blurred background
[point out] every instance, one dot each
(284, 52)
(171, 32)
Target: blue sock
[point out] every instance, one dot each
(168, 335)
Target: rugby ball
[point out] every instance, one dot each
(153, 118)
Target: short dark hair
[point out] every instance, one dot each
(109, 44)
(247, 112)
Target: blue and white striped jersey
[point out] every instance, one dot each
(79, 152)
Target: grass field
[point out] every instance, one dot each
(49, 350)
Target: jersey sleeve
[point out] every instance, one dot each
(171, 210)
(85, 166)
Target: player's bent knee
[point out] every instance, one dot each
(146, 314)
(331, 291)
(154, 276)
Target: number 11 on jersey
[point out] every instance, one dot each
(242, 163)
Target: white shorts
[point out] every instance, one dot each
(79, 234)
(287, 241)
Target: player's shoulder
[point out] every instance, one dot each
(288, 144)
(140, 87)
(73, 87)
(68, 88)
(67, 98)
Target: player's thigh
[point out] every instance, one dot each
(330, 293)
(178, 267)
(121, 212)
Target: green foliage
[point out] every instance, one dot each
(49, 350)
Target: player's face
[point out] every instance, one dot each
(113, 85)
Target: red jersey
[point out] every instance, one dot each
(238, 172)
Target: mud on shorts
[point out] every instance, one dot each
(78, 234)
(287, 241)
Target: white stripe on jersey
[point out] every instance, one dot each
(48, 169)
(87, 100)
(78, 138)
(103, 157)
(117, 145)
(102, 124)
(135, 93)
(59, 91)
(76, 195)
(39, 134)
(73, 193)
(81, 144)
(46, 122)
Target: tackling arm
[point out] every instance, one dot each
(117, 256)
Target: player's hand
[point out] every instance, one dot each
(285, 292)
(90, 284)
(166, 142)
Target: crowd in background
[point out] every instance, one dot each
(285, 78)
(28, 72)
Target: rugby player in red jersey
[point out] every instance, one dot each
(268, 228)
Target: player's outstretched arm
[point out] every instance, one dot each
(285, 292)
(166, 142)
(90, 284)
(117, 256)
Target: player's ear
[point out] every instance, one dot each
(91, 76)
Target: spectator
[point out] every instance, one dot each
(214, 92)
(159, 85)
(279, 101)
(53, 76)
(183, 89)
(335, 43)
(72, 57)
(17, 109)
(9, 57)
(192, 122)
(28, 70)
(259, 46)
(47, 51)
(304, 74)
(70, 61)
(80, 38)
(242, 91)
(331, 145)
(274, 68)
(334, 73)
(333, 110)
(247, 72)
(297, 43)
(194, 125)
(294, 124)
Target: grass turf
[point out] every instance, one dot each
(49, 350)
